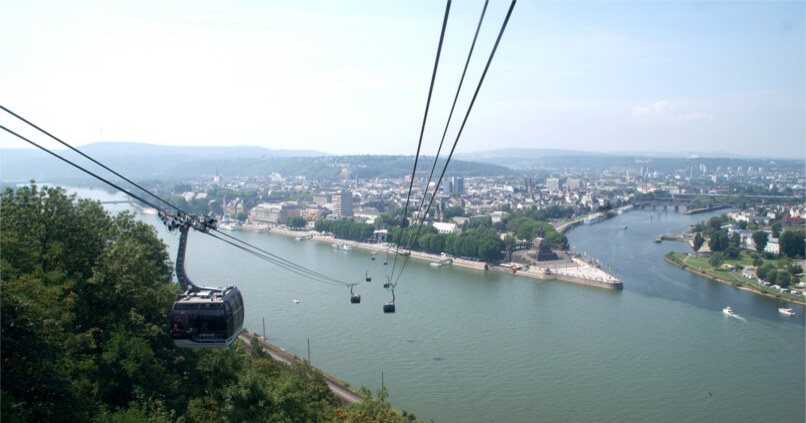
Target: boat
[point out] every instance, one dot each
(342, 246)
(594, 218)
(304, 237)
(728, 311)
(446, 259)
(787, 311)
(296, 301)
(625, 228)
(230, 226)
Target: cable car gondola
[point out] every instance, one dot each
(389, 306)
(201, 316)
(367, 276)
(354, 298)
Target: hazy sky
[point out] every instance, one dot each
(352, 77)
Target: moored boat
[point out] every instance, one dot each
(342, 246)
(786, 311)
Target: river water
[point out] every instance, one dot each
(470, 346)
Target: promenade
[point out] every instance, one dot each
(575, 270)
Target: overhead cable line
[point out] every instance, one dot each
(79, 167)
(420, 212)
(265, 255)
(299, 270)
(95, 161)
(467, 114)
(422, 130)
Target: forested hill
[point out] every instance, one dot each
(143, 161)
(84, 335)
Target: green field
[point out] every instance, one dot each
(699, 264)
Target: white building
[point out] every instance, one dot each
(446, 228)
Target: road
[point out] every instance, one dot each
(345, 395)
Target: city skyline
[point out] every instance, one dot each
(353, 78)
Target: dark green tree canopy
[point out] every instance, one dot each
(84, 337)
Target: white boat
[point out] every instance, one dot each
(342, 246)
(296, 301)
(304, 237)
(230, 226)
(728, 311)
(787, 311)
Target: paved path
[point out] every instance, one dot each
(344, 394)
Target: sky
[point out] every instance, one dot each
(352, 77)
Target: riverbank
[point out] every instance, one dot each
(341, 389)
(575, 271)
(745, 285)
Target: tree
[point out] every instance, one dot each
(718, 241)
(453, 211)
(782, 278)
(697, 242)
(295, 222)
(716, 259)
(791, 243)
(776, 229)
(763, 270)
(760, 238)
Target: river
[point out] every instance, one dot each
(470, 346)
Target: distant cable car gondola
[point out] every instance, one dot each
(388, 283)
(367, 277)
(354, 298)
(201, 316)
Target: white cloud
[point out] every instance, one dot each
(666, 110)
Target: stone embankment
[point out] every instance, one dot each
(575, 270)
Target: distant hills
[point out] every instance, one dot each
(528, 160)
(158, 162)
(171, 163)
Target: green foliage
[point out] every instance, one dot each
(527, 229)
(763, 270)
(782, 278)
(84, 333)
(716, 259)
(453, 211)
(718, 241)
(546, 214)
(760, 238)
(776, 228)
(698, 241)
(791, 243)
(295, 222)
(346, 229)
(482, 243)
